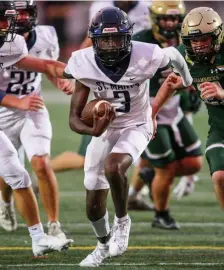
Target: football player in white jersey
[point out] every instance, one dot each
(138, 13)
(13, 50)
(117, 70)
(31, 130)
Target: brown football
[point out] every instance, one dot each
(87, 112)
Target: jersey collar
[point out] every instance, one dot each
(115, 74)
(31, 40)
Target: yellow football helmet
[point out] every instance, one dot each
(202, 21)
(163, 10)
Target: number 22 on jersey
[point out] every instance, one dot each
(21, 82)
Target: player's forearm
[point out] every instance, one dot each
(161, 97)
(77, 125)
(54, 68)
(11, 102)
(49, 67)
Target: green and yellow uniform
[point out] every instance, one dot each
(211, 71)
(175, 138)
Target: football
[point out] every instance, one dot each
(95, 104)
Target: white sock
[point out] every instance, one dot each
(4, 203)
(119, 220)
(195, 177)
(36, 231)
(101, 227)
(132, 192)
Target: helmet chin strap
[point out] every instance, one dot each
(197, 58)
(114, 63)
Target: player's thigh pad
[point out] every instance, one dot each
(11, 170)
(159, 151)
(36, 134)
(96, 154)
(21, 154)
(215, 150)
(133, 141)
(12, 130)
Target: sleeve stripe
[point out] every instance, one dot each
(67, 76)
(166, 67)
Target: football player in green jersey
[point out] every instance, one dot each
(202, 34)
(176, 144)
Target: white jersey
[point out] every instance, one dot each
(139, 14)
(170, 112)
(44, 44)
(179, 64)
(12, 52)
(130, 94)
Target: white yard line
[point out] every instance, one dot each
(116, 264)
(141, 224)
(83, 193)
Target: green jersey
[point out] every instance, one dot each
(209, 72)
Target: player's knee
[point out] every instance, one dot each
(218, 178)
(90, 180)
(113, 169)
(197, 163)
(192, 165)
(40, 164)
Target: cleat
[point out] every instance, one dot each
(135, 203)
(185, 186)
(49, 244)
(144, 192)
(119, 237)
(165, 221)
(7, 216)
(54, 229)
(94, 259)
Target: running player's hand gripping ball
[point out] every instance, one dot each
(98, 108)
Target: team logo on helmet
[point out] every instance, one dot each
(110, 30)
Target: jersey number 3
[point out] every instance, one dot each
(127, 101)
(17, 85)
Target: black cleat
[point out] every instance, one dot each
(147, 176)
(163, 220)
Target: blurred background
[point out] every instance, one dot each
(71, 18)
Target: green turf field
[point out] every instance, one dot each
(198, 245)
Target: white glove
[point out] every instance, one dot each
(185, 186)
